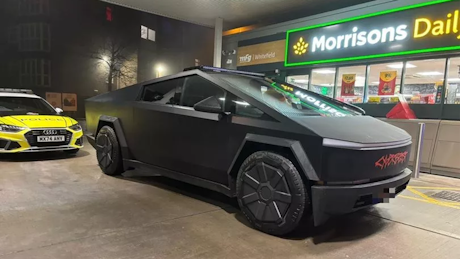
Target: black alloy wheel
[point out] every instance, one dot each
(108, 152)
(271, 193)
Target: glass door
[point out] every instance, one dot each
(322, 81)
(299, 80)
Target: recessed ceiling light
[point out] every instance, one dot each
(324, 71)
(395, 66)
(400, 65)
(453, 79)
(376, 82)
(430, 73)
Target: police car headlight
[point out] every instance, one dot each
(75, 127)
(10, 128)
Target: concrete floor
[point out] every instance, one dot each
(66, 208)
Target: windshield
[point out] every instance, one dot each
(286, 98)
(24, 106)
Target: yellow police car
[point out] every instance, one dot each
(28, 123)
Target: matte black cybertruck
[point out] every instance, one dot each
(284, 152)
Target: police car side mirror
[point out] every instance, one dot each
(59, 110)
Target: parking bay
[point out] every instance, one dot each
(55, 206)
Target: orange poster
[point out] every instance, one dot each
(387, 82)
(55, 99)
(69, 102)
(348, 84)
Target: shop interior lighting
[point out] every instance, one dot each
(400, 65)
(453, 79)
(430, 73)
(324, 71)
(301, 81)
(359, 81)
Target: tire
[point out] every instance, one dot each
(108, 151)
(72, 151)
(271, 193)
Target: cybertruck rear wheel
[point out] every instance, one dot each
(108, 151)
(271, 193)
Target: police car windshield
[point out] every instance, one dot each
(24, 106)
(287, 99)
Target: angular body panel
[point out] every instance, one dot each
(357, 129)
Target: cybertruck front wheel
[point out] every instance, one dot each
(271, 193)
(108, 151)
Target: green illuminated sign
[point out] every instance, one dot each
(422, 28)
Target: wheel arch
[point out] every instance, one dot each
(291, 148)
(115, 123)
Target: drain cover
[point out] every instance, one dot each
(447, 195)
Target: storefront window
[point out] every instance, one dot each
(322, 81)
(350, 84)
(300, 81)
(453, 82)
(422, 80)
(384, 82)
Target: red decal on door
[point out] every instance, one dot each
(391, 159)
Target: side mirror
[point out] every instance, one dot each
(59, 110)
(210, 104)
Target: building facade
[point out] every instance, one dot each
(372, 55)
(344, 54)
(88, 47)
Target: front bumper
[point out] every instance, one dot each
(18, 142)
(328, 201)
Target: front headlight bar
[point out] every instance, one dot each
(75, 127)
(10, 128)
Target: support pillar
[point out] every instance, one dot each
(218, 26)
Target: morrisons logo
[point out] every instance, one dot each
(422, 27)
(358, 38)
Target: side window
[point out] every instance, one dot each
(240, 107)
(163, 92)
(197, 89)
(244, 109)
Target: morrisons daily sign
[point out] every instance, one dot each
(427, 27)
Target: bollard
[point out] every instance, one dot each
(418, 150)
